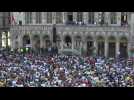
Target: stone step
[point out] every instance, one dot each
(70, 52)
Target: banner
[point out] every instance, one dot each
(11, 20)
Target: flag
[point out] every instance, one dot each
(12, 20)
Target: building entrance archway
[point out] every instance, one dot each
(36, 43)
(112, 47)
(26, 40)
(101, 46)
(68, 41)
(69, 17)
(46, 41)
(123, 47)
(89, 46)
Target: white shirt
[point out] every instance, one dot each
(83, 85)
(43, 85)
(14, 82)
(21, 85)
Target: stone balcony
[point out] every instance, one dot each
(71, 28)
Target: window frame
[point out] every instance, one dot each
(111, 18)
(49, 22)
(79, 17)
(38, 16)
(28, 18)
(92, 16)
(59, 17)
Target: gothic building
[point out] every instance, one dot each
(102, 33)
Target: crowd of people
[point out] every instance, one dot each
(30, 70)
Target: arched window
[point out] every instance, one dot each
(59, 18)
(38, 17)
(113, 17)
(28, 17)
(49, 17)
(91, 17)
(79, 16)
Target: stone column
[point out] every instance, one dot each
(44, 18)
(51, 36)
(84, 44)
(95, 45)
(107, 18)
(85, 17)
(62, 42)
(12, 39)
(20, 41)
(31, 40)
(72, 42)
(96, 18)
(6, 32)
(0, 39)
(119, 18)
(117, 47)
(41, 41)
(64, 17)
(106, 47)
(129, 18)
(131, 35)
(13, 36)
(54, 17)
(81, 47)
(74, 16)
(23, 18)
(33, 18)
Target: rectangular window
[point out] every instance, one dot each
(113, 17)
(101, 18)
(124, 20)
(49, 17)
(38, 17)
(59, 17)
(20, 22)
(91, 17)
(79, 16)
(69, 18)
(28, 17)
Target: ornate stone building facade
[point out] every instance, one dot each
(104, 33)
(4, 28)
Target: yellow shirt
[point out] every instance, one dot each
(2, 84)
(128, 78)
